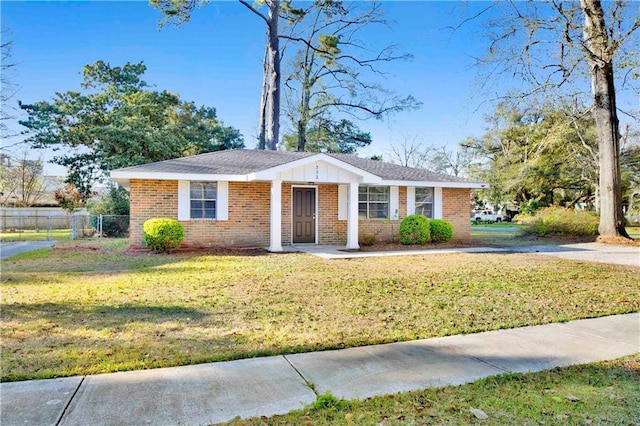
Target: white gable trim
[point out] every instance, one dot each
(420, 183)
(272, 173)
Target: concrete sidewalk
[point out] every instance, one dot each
(218, 392)
(589, 252)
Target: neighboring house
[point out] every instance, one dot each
(276, 198)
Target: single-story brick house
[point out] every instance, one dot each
(274, 198)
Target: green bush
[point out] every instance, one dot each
(561, 221)
(441, 230)
(163, 235)
(414, 229)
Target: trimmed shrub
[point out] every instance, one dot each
(441, 230)
(163, 235)
(414, 229)
(561, 221)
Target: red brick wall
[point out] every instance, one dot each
(287, 194)
(249, 214)
(331, 231)
(248, 223)
(150, 199)
(456, 209)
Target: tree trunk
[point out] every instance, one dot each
(600, 63)
(302, 135)
(273, 119)
(263, 101)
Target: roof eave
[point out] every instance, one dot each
(124, 175)
(446, 184)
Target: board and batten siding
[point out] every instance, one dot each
(317, 172)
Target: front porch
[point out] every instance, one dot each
(310, 213)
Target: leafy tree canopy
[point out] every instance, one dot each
(117, 121)
(525, 155)
(331, 136)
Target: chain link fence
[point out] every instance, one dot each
(77, 226)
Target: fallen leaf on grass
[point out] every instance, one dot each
(573, 398)
(479, 413)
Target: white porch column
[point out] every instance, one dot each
(352, 217)
(275, 240)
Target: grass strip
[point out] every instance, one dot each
(606, 393)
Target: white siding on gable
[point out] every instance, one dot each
(318, 172)
(394, 202)
(184, 200)
(222, 206)
(411, 200)
(343, 205)
(437, 203)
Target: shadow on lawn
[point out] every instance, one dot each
(97, 317)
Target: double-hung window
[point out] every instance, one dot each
(203, 197)
(424, 202)
(373, 202)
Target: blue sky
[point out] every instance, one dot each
(215, 60)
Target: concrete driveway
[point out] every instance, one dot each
(11, 249)
(589, 252)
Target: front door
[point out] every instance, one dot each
(304, 215)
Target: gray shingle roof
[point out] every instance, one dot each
(245, 161)
(389, 171)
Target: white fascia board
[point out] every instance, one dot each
(271, 174)
(417, 184)
(123, 175)
(123, 182)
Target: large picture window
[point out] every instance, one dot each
(203, 196)
(373, 202)
(424, 202)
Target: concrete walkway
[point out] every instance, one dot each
(218, 392)
(590, 252)
(12, 248)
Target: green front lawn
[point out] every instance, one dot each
(92, 307)
(54, 234)
(605, 393)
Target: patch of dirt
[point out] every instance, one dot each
(429, 246)
(79, 248)
(213, 251)
(618, 241)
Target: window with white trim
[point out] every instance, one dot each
(424, 202)
(202, 198)
(373, 202)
